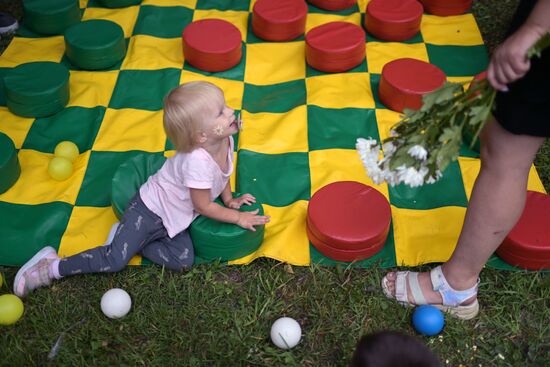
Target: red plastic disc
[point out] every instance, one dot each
(335, 47)
(343, 255)
(333, 4)
(393, 20)
(349, 215)
(281, 20)
(212, 45)
(405, 81)
(447, 7)
(528, 244)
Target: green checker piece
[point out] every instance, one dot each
(213, 240)
(119, 3)
(50, 17)
(9, 164)
(95, 44)
(37, 89)
(130, 176)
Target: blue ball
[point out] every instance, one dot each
(428, 320)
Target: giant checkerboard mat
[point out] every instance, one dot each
(300, 131)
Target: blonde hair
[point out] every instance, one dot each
(184, 110)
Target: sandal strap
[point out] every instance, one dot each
(450, 296)
(416, 290)
(401, 293)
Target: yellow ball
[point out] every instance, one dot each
(11, 309)
(60, 168)
(66, 149)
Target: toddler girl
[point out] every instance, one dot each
(200, 125)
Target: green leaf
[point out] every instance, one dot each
(541, 44)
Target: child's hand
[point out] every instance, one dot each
(509, 61)
(248, 220)
(236, 203)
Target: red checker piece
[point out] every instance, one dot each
(335, 47)
(393, 20)
(281, 20)
(447, 7)
(405, 81)
(333, 5)
(528, 244)
(212, 45)
(348, 217)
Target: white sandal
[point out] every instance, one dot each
(452, 298)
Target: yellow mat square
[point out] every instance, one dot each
(88, 228)
(466, 80)
(469, 167)
(35, 186)
(458, 30)
(386, 119)
(379, 54)
(238, 18)
(332, 165)
(187, 3)
(14, 126)
(285, 236)
(91, 88)
(275, 133)
(152, 53)
(124, 17)
(233, 177)
(232, 89)
(340, 91)
(23, 50)
(83, 3)
(134, 129)
(425, 236)
(316, 19)
(272, 63)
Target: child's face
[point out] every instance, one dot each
(220, 120)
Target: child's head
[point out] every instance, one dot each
(193, 111)
(392, 349)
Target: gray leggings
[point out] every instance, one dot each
(140, 231)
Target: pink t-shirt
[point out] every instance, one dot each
(167, 194)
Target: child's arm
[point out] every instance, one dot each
(203, 205)
(235, 203)
(509, 61)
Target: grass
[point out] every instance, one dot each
(219, 315)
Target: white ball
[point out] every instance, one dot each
(286, 333)
(116, 303)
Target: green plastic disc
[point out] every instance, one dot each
(50, 16)
(9, 164)
(119, 3)
(214, 240)
(37, 89)
(95, 44)
(129, 177)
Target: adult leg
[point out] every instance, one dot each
(497, 201)
(175, 253)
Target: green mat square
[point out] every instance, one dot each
(162, 21)
(361, 68)
(26, 229)
(339, 128)
(96, 186)
(385, 258)
(274, 179)
(277, 98)
(223, 4)
(144, 89)
(349, 11)
(77, 124)
(235, 73)
(459, 60)
(374, 86)
(447, 191)
(24, 32)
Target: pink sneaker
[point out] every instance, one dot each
(35, 273)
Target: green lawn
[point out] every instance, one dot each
(221, 315)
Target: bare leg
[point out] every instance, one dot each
(497, 201)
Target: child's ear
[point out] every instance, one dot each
(201, 137)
